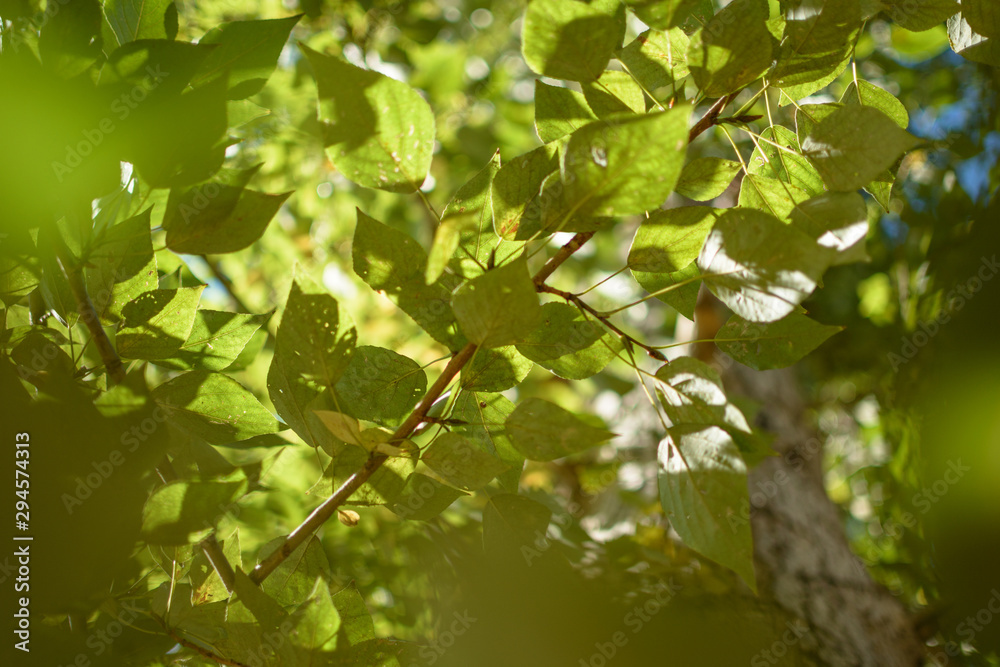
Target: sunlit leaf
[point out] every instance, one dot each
(774, 345)
(383, 130)
(543, 431)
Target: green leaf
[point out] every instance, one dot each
(854, 145)
(775, 345)
(246, 51)
(543, 431)
(216, 339)
(478, 242)
(691, 394)
(881, 188)
(683, 298)
(70, 38)
(423, 498)
(316, 338)
(837, 220)
(17, 280)
(569, 344)
(142, 62)
(214, 406)
(670, 13)
(131, 20)
(294, 580)
(761, 282)
(392, 262)
(123, 266)
(383, 130)
(703, 489)
(869, 95)
(156, 323)
(614, 93)
(706, 178)
(559, 111)
(627, 166)
(793, 93)
(355, 620)
(316, 620)
(461, 462)
(785, 163)
(498, 308)
(515, 191)
(179, 510)
(344, 427)
(926, 14)
(983, 17)
(818, 37)
(511, 522)
(312, 348)
(380, 385)
(265, 610)
(657, 58)
(770, 195)
(484, 416)
(971, 45)
(447, 238)
(670, 240)
(732, 50)
(220, 216)
(495, 369)
(568, 39)
(808, 116)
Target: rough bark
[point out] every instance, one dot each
(805, 566)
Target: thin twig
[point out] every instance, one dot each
(74, 275)
(583, 305)
(227, 284)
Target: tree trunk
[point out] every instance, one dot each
(805, 566)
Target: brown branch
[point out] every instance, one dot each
(564, 253)
(213, 552)
(329, 507)
(711, 117)
(74, 275)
